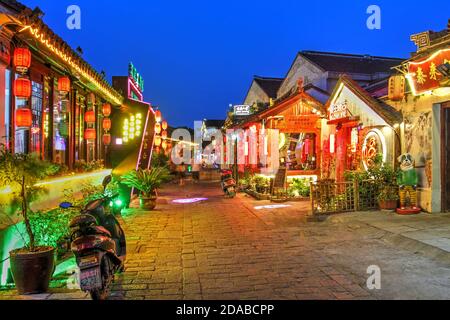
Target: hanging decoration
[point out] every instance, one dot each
(158, 141)
(158, 116)
(64, 85)
(164, 145)
(22, 88)
(164, 125)
(164, 135)
(23, 118)
(22, 59)
(106, 109)
(89, 116)
(107, 139)
(107, 124)
(90, 134)
(158, 128)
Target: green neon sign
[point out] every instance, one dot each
(136, 77)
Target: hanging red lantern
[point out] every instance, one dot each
(64, 84)
(22, 59)
(164, 145)
(23, 118)
(164, 125)
(90, 134)
(158, 116)
(164, 135)
(107, 139)
(89, 117)
(107, 124)
(22, 88)
(106, 109)
(158, 141)
(158, 128)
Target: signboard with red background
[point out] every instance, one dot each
(424, 73)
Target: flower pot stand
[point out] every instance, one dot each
(408, 211)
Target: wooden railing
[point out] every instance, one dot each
(328, 196)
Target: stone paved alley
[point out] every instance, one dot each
(227, 249)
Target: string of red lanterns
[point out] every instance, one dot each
(22, 87)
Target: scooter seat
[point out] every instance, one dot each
(99, 230)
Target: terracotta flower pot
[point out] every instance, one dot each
(32, 271)
(388, 205)
(147, 203)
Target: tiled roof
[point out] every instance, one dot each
(269, 85)
(351, 63)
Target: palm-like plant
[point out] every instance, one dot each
(146, 181)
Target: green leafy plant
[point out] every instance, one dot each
(300, 188)
(160, 160)
(146, 181)
(21, 172)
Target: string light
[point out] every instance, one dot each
(114, 97)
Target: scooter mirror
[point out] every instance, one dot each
(66, 205)
(106, 181)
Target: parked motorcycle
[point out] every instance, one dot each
(98, 243)
(228, 183)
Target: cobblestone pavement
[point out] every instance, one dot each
(231, 249)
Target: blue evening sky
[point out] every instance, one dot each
(197, 57)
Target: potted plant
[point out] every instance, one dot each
(33, 265)
(388, 198)
(147, 182)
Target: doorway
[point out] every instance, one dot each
(445, 156)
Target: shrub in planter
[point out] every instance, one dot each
(262, 184)
(300, 188)
(388, 198)
(147, 183)
(33, 265)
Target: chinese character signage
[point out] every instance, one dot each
(136, 77)
(424, 74)
(242, 111)
(339, 111)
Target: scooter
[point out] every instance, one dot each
(228, 183)
(99, 245)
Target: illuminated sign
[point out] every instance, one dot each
(132, 128)
(374, 144)
(136, 77)
(339, 111)
(424, 75)
(242, 110)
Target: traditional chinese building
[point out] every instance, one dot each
(421, 91)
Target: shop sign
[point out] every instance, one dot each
(242, 111)
(300, 122)
(339, 111)
(424, 75)
(136, 77)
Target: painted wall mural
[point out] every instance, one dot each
(418, 139)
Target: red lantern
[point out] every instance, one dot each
(22, 59)
(89, 117)
(158, 128)
(106, 139)
(164, 135)
(106, 109)
(23, 118)
(64, 84)
(164, 125)
(158, 141)
(90, 134)
(158, 116)
(164, 145)
(22, 88)
(107, 124)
